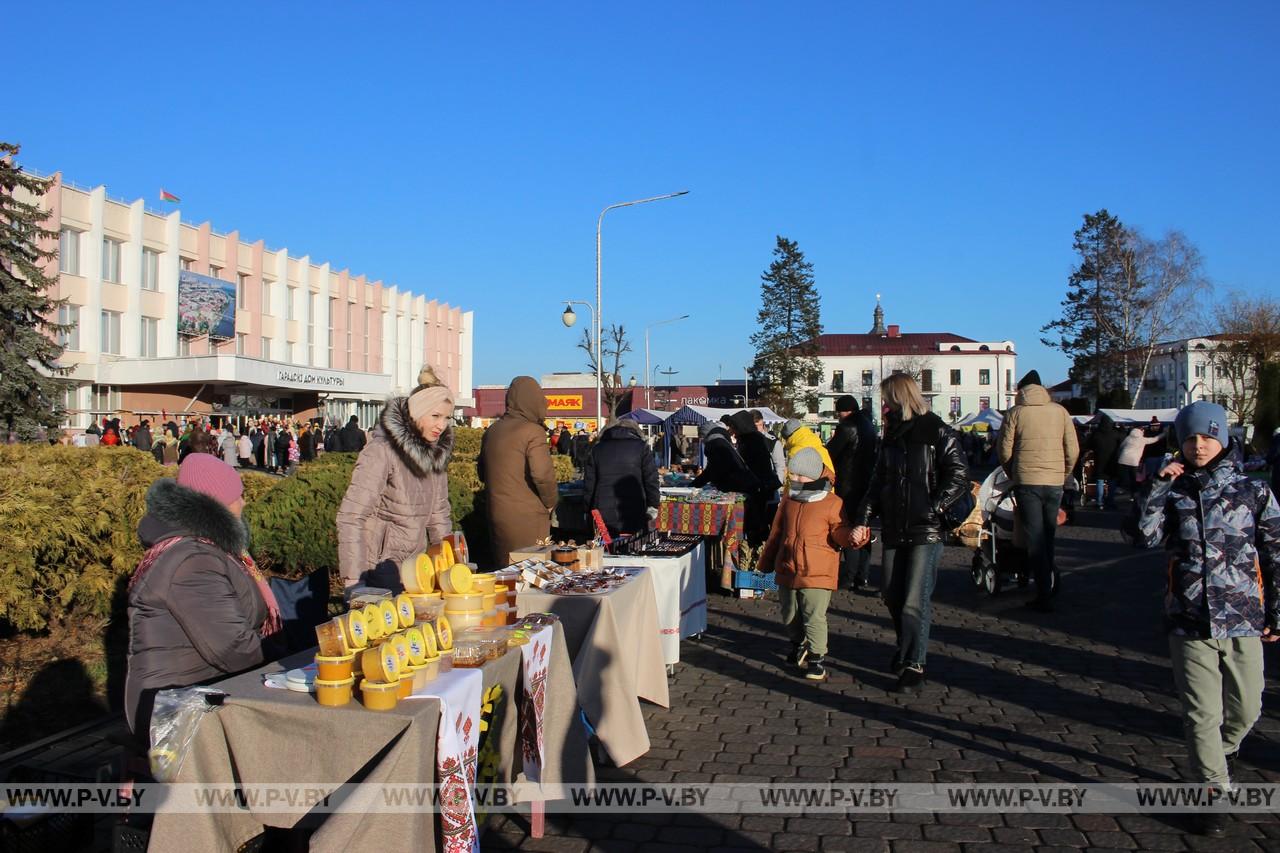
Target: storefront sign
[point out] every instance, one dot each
(564, 402)
(307, 377)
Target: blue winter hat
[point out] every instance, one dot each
(1202, 418)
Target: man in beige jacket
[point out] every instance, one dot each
(1038, 450)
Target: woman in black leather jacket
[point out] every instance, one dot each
(920, 472)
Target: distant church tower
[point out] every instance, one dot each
(878, 328)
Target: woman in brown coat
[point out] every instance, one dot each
(398, 500)
(515, 466)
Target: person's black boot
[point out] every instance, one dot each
(1210, 823)
(813, 668)
(910, 681)
(799, 653)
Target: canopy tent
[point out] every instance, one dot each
(649, 417)
(699, 415)
(990, 417)
(1140, 416)
(1083, 420)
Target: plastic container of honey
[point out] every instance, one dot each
(446, 660)
(401, 645)
(405, 610)
(461, 620)
(390, 618)
(361, 595)
(373, 621)
(444, 633)
(335, 693)
(426, 605)
(334, 667)
(469, 601)
(380, 695)
(468, 654)
(417, 645)
(492, 619)
(406, 685)
(429, 670)
(330, 639)
(483, 582)
(455, 580)
(355, 629)
(417, 574)
(380, 663)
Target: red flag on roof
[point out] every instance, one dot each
(165, 195)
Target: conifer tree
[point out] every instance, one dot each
(786, 345)
(30, 393)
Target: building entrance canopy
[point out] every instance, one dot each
(272, 377)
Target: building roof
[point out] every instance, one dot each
(910, 343)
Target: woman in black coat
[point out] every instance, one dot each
(621, 479)
(723, 467)
(919, 473)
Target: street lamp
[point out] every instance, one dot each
(599, 309)
(569, 318)
(647, 386)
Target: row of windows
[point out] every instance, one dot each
(926, 379)
(69, 260)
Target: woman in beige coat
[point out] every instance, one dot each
(515, 465)
(398, 500)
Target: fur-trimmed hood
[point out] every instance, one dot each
(402, 434)
(174, 510)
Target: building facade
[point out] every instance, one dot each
(958, 375)
(174, 319)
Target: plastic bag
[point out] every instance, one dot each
(174, 719)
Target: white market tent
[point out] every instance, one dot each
(990, 417)
(1140, 416)
(699, 415)
(646, 416)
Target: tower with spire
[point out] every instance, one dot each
(878, 328)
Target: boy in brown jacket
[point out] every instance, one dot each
(804, 550)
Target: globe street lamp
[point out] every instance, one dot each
(647, 386)
(599, 310)
(569, 318)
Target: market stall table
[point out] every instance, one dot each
(680, 590)
(617, 658)
(262, 735)
(683, 511)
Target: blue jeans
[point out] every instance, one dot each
(910, 572)
(1038, 513)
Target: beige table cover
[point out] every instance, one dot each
(617, 657)
(263, 735)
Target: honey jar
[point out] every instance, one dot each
(380, 695)
(335, 693)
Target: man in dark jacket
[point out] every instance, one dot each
(564, 444)
(353, 439)
(581, 449)
(283, 442)
(754, 449)
(332, 439)
(621, 479)
(142, 437)
(853, 447)
(307, 444)
(1105, 446)
(723, 467)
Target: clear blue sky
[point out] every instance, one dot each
(940, 153)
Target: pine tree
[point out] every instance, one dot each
(1081, 329)
(29, 390)
(786, 345)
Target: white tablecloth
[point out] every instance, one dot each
(680, 586)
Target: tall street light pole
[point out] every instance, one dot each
(599, 309)
(647, 386)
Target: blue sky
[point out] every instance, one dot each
(938, 153)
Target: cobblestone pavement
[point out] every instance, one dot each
(1081, 694)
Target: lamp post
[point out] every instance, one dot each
(569, 318)
(599, 309)
(647, 384)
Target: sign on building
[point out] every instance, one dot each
(564, 402)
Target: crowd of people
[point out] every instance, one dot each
(200, 609)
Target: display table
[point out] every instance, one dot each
(724, 519)
(680, 589)
(617, 658)
(262, 735)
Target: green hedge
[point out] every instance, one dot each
(70, 517)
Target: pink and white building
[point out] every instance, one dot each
(309, 340)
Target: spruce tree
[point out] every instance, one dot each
(786, 345)
(30, 393)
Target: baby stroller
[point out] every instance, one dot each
(989, 532)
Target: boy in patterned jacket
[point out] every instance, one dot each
(1222, 531)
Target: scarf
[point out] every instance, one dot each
(273, 623)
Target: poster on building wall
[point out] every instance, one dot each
(206, 306)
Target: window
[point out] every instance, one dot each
(185, 263)
(837, 381)
(333, 307)
(288, 352)
(150, 269)
(1008, 377)
(291, 293)
(184, 345)
(351, 325)
(1199, 371)
(69, 251)
(926, 381)
(868, 379)
(266, 348)
(150, 334)
(69, 315)
(955, 406)
(110, 260)
(110, 340)
(311, 327)
(984, 403)
(215, 270)
(815, 379)
(240, 336)
(367, 312)
(241, 280)
(955, 377)
(984, 377)
(106, 398)
(266, 298)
